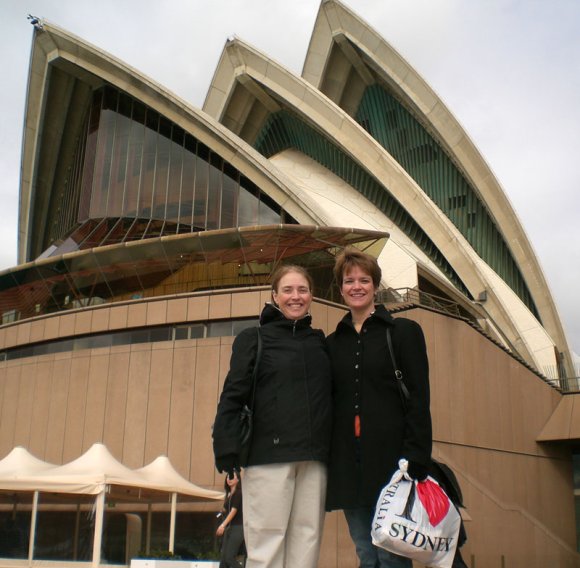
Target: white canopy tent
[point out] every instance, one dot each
(20, 460)
(96, 472)
(161, 472)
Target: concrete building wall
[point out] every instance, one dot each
(149, 399)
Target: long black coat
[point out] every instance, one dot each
(364, 383)
(292, 408)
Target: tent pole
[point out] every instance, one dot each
(32, 527)
(98, 536)
(172, 524)
(77, 531)
(149, 519)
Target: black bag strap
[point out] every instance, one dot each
(446, 478)
(255, 370)
(403, 390)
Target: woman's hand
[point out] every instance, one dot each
(220, 530)
(230, 463)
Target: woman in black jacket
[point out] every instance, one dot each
(371, 428)
(285, 477)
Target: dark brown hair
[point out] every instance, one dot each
(227, 488)
(351, 257)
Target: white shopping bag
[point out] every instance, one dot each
(416, 520)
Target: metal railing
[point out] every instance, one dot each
(567, 385)
(414, 296)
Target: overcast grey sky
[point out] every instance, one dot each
(509, 70)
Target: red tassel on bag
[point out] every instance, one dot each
(434, 500)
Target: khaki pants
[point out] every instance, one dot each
(283, 508)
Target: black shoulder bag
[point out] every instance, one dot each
(247, 412)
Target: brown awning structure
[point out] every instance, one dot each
(242, 256)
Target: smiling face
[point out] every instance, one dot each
(293, 295)
(358, 290)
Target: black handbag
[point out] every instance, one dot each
(247, 412)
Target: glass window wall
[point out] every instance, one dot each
(133, 336)
(136, 164)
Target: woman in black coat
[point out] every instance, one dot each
(285, 477)
(371, 428)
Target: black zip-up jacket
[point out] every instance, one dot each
(292, 408)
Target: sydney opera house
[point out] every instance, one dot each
(148, 230)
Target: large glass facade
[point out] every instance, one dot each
(136, 167)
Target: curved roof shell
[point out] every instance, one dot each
(338, 31)
(64, 71)
(264, 121)
(256, 98)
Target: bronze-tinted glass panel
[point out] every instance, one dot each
(230, 194)
(133, 172)
(267, 216)
(214, 193)
(174, 185)
(248, 208)
(90, 154)
(187, 185)
(148, 164)
(103, 160)
(161, 169)
(118, 167)
(201, 188)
